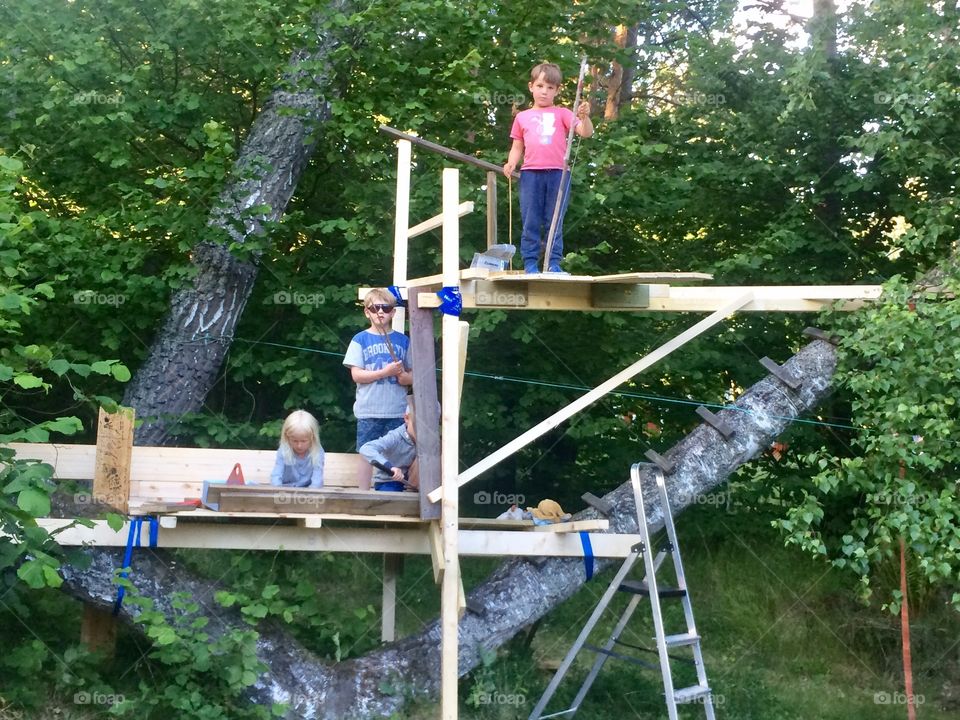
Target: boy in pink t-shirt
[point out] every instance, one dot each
(540, 138)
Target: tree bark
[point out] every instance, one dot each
(186, 355)
(516, 595)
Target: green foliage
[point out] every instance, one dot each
(207, 673)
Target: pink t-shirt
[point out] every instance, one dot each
(544, 134)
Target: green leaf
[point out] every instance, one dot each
(28, 381)
(34, 502)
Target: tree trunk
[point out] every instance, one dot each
(185, 356)
(516, 595)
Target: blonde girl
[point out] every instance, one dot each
(300, 456)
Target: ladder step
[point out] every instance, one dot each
(640, 588)
(681, 639)
(689, 694)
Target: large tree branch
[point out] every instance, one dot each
(190, 347)
(517, 594)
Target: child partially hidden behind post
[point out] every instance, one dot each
(394, 457)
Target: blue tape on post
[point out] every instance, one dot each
(587, 554)
(133, 537)
(450, 301)
(395, 291)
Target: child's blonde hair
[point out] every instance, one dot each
(300, 421)
(551, 73)
(379, 295)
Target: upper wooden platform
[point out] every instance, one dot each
(636, 292)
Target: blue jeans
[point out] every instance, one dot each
(374, 428)
(538, 198)
(389, 486)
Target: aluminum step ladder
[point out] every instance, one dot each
(647, 588)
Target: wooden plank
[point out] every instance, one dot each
(436, 221)
(412, 541)
(98, 630)
(593, 395)
(69, 462)
(592, 525)
(308, 501)
(111, 472)
(391, 569)
(441, 150)
(423, 358)
(491, 208)
(573, 293)
(401, 221)
(450, 441)
(436, 550)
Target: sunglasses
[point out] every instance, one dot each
(380, 306)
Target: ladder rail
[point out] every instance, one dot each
(682, 583)
(624, 570)
(654, 593)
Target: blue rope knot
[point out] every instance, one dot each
(395, 291)
(133, 536)
(450, 301)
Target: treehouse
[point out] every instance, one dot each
(184, 491)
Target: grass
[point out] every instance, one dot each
(782, 636)
(783, 639)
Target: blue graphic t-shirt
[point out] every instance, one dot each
(385, 398)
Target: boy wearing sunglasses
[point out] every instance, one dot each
(377, 358)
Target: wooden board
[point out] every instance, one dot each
(272, 499)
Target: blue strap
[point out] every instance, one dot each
(395, 291)
(450, 301)
(133, 536)
(587, 554)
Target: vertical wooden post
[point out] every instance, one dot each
(423, 356)
(98, 630)
(491, 209)
(391, 569)
(111, 486)
(450, 592)
(463, 330)
(111, 473)
(401, 230)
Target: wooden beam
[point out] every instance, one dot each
(441, 150)
(401, 221)
(111, 474)
(307, 501)
(392, 563)
(491, 208)
(465, 208)
(423, 358)
(412, 541)
(436, 550)
(98, 630)
(593, 395)
(449, 456)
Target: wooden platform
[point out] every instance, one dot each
(636, 292)
(274, 500)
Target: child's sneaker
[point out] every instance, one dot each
(555, 268)
(530, 268)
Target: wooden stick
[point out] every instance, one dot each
(589, 398)
(565, 173)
